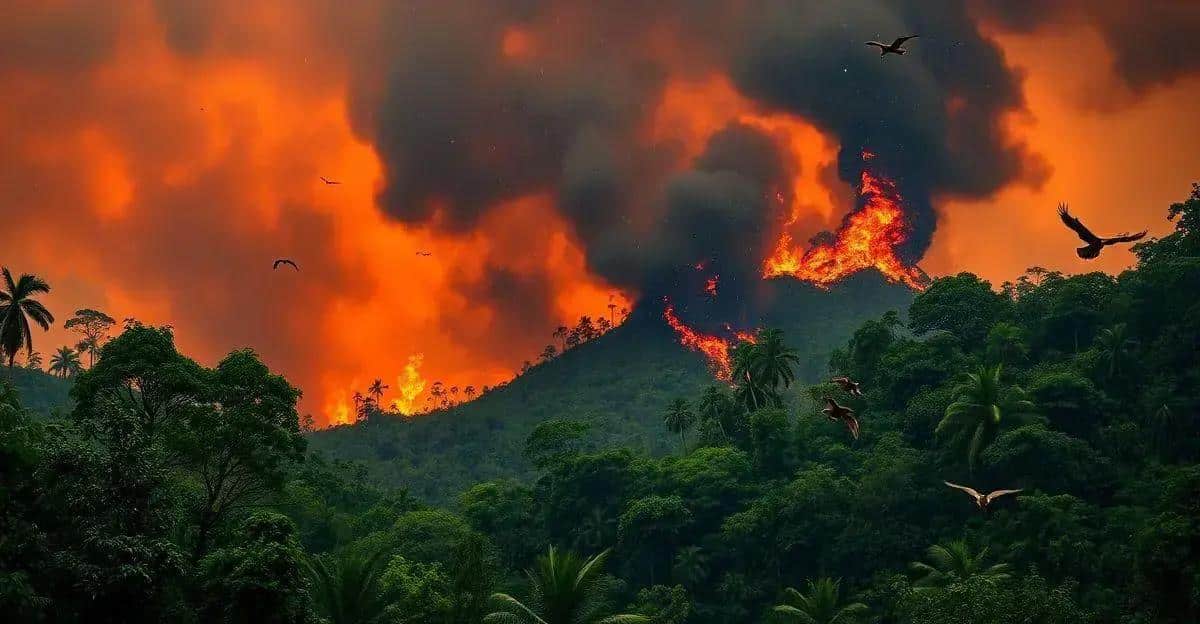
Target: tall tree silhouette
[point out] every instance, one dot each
(17, 308)
(376, 390)
(93, 325)
(65, 363)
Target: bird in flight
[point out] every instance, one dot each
(328, 181)
(424, 253)
(983, 501)
(897, 46)
(284, 261)
(841, 413)
(848, 386)
(1094, 243)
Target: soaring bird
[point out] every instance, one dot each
(981, 500)
(895, 48)
(1094, 243)
(837, 413)
(284, 261)
(848, 386)
(328, 181)
(424, 253)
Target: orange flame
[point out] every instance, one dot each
(710, 286)
(867, 239)
(410, 384)
(340, 413)
(714, 348)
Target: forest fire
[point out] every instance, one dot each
(714, 348)
(867, 239)
(710, 286)
(409, 384)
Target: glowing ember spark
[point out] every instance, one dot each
(714, 348)
(410, 384)
(868, 238)
(710, 285)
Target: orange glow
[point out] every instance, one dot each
(710, 286)
(409, 384)
(517, 43)
(867, 239)
(715, 349)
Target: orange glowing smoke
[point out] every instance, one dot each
(410, 384)
(710, 286)
(714, 348)
(867, 239)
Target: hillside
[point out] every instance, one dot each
(619, 383)
(40, 392)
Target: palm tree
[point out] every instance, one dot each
(715, 404)
(761, 368)
(17, 307)
(65, 363)
(980, 402)
(679, 419)
(1115, 344)
(691, 566)
(376, 389)
(34, 361)
(346, 588)
(955, 562)
(821, 604)
(563, 590)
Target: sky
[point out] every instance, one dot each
(552, 158)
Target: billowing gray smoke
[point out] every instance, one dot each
(460, 128)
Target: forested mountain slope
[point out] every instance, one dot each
(619, 383)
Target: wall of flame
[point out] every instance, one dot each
(152, 176)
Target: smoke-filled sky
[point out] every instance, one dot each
(552, 155)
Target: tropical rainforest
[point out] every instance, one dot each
(166, 490)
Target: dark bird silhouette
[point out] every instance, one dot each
(284, 261)
(328, 181)
(848, 386)
(983, 501)
(424, 253)
(895, 48)
(837, 413)
(1094, 243)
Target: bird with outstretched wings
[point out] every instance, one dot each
(424, 253)
(843, 414)
(328, 181)
(283, 261)
(896, 47)
(1094, 243)
(983, 501)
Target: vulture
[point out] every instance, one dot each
(896, 46)
(1094, 243)
(284, 261)
(328, 181)
(981, 500)
(841, 413)
(424, 253)
(847, 385)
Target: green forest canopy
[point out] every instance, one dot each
(177, 492)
